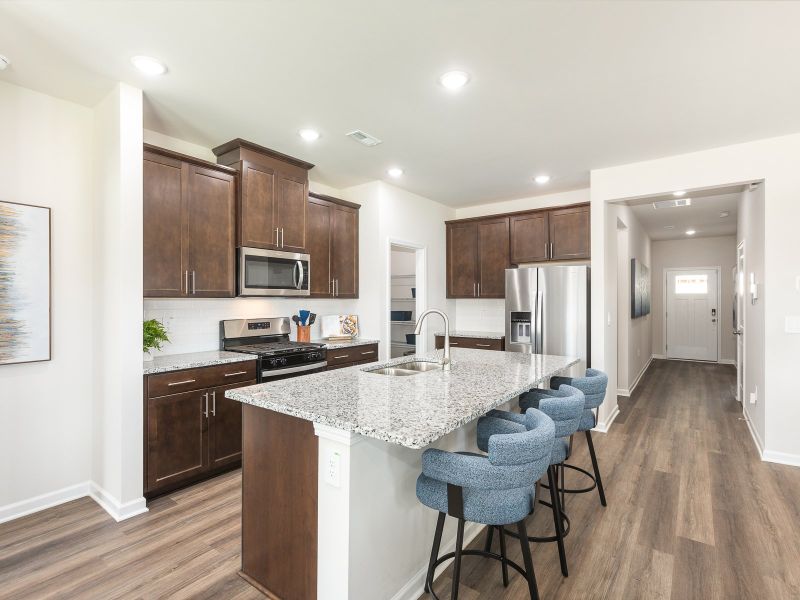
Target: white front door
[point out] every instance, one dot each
(692, 314)
(738, 320)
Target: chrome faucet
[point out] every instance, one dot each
(418, 329)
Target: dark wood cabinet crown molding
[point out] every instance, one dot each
(189, 159)
(333, 200)
(517, 213)
(236, 144)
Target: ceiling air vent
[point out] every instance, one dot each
(674, 203)
(363, 138)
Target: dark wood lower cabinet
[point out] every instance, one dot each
(194, 434)
(339, 358)
(472, 342)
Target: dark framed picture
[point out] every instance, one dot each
(640, 289)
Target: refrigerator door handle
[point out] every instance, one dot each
(538, 347)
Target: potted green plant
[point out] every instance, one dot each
(154, 335)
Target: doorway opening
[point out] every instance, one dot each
(406, 291)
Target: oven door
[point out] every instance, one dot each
(273, 273)
(266, 375)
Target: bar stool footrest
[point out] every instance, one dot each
(471, 552)
(576, 491)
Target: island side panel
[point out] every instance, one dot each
(279, 504)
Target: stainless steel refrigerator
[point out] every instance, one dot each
(547, 311)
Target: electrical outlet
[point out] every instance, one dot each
(754, 396)
(332, 469)
(638, 352)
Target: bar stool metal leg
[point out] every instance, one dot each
(437, 542)
(559, 524)
(487, 547)
(504, 557)
(526, 558)
(596, 468)
(457, 559)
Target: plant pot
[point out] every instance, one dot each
(147, 357)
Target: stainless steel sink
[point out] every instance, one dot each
(407, 368)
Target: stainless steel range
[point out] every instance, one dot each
(278, 356)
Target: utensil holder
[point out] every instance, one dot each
(304, 333)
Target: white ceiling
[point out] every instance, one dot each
(703, 215)
(557, 87)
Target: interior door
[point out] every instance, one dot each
(738, 320)
(692, 314)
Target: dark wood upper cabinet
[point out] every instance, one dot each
(163, 226)
(530, 237)
(189, 226)
(333, 246)
(462, 260)
(480, 249)
(570, 233)
(492, 258)
(272, 203)
(319, 246)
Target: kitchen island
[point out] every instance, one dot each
(330, 462)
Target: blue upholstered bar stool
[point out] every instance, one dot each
(497, 489)
(593, 385)
(565, 407)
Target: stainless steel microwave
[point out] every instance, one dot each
(272, 273)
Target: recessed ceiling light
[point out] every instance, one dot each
(669, 226)
(454, 80)
(149, 66)
(679, 193)
(541, 179)
(395, 172)
(724, 214)
(4, 63)
(690, 232)
(309, 135)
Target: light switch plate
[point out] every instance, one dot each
(792, 324)
(754, 396)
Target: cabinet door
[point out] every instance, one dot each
(344, 251)
(462, 260)
(530, 238)
(211, 198)
(320, 226)
(291, 200)
(177, 444)
(569, 233)
(492, 257)
(257, 206)
(225, 428)
(163, 229)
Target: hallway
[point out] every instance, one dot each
(692, 511)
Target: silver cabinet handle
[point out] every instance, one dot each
(474, 293)
(546, 246)
(370, 352)
(302, 275)
(454, 343)
(235, 374)
(214, 403)
(277, 237)
(181, 382)
(205, 412)
(335, 287)
(330, 281)
(194, 282)
(479, 290)
(342, 356)
(551, 249)
(483, 345)
(186, 280)
(281, 237)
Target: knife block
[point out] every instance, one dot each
(304, 333)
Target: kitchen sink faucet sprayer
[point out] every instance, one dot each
(418, 329)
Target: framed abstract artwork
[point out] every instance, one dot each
(640, 289)
(24, 283)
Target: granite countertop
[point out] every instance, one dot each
(176, 362)
(346, 343)
(411, 411)
(484, 335)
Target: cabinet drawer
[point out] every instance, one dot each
(197, 379)
(343, 356)
(469, 342)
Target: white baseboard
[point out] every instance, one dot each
(623, 392)
(118, 511)
(660, 356)
(782, 458)
(415, 587)
(754, 434)
(627, 392)
(604, 426)
(9, 512)
(727, 361)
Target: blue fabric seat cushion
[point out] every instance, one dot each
(560, 451)
(490, 507)
(588, 420)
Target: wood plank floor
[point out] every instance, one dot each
(693, 513)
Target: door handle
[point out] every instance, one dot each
(214, 403)
(205, 412)
(737, 332)
(302, 275)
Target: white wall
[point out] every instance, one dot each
(634, 336)
(751, 233)
(773, 160)
(696, 252)
(46, 407)
(486, 314)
